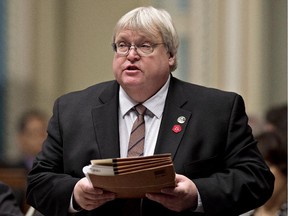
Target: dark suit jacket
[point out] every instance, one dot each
(215, 149)
(8, 203)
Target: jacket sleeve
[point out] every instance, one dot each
(245, 182)
(48, 185)
(8, 202)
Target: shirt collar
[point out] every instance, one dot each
(155, 104)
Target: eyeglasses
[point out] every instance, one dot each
(143, 49)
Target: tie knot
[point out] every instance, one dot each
(140, 109)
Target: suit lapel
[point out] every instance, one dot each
(174, 121)
(105, 119)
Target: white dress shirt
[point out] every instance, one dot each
(152, 117)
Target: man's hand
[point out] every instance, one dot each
(180, 198)
(88, 197)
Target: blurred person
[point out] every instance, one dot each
(219, 169)
(31, 133)
(8, 202)
(274, 152)
(276, 120)
(256, 123)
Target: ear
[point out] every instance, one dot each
(171, 60)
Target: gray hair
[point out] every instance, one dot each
(151, 21)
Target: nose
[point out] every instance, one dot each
(133, 53)
(134, 47)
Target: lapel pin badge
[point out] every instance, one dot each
(177, 128)
(181, 119)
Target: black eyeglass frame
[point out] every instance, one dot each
(136, 47)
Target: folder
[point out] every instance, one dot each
(132, 177)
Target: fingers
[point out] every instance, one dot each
(183, 196)
(88, 197)
(90, 204)
(169, 201)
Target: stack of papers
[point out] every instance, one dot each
(132, 177)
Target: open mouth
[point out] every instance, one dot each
(132, 67)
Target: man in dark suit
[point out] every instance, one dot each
(219, 170)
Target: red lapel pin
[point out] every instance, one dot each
(177, 128)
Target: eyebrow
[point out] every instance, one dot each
(125, 37)
(136, 42)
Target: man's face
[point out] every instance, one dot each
(139, 73)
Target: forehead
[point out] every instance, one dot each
(128, 34)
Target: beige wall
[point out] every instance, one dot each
(59, 46)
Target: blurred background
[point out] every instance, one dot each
(51, 47)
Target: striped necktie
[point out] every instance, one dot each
(137, 136)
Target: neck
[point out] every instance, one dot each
(141, 95)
